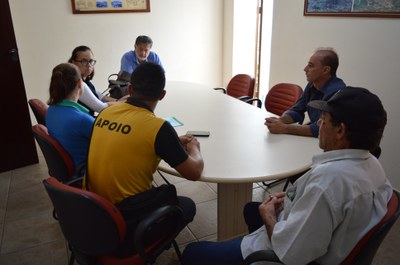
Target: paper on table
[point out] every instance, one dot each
(173, 121)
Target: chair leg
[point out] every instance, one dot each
(71, 259)
(273, 183)
(177, 250)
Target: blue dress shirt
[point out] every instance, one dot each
(297, 112)
(129, 61)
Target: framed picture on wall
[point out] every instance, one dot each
(352, 8)
(109, 6)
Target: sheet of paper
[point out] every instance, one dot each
(173, 121)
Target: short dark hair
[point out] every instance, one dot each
(64, 79)
(330, 58)
(148, 80)
(144, 39)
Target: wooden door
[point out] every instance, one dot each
(17, 144)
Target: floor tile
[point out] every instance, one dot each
(196, 190)
(53, 253)
(27, 176)
(205, 221)
(5, 180)
(185, 236)
(29, 232)
(28, 202)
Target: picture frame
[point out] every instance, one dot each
(109, 6)
(352, 8)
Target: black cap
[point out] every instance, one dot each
(356, 107)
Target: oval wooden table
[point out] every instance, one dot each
(239, 151)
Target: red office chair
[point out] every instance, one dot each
(282, 97)
(363, 253)
(39, 109)
(95, 228)
(58, 160)
(241, 86)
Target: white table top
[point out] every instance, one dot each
(240, 149)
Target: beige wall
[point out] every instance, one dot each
(187, 36)
(369, 50)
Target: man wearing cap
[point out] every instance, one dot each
(322, 84)
(328, 209)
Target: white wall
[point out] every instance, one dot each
(369, 52)
(187, 36)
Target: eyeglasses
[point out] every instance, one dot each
(86, 62)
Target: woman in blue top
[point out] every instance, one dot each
(67, 120)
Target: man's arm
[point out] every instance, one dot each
(181, 153)
(285, 125)
(192, 167)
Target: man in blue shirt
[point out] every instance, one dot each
(142, 53)
(322, 84)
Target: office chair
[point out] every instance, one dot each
(241, 86)
(363, 253)
(58, 160)
(279, 99)
(282, 97)
(39, 109)
(94, 228)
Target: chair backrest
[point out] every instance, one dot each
(96, 230)
(90, 223)
(282, 97)
(240, 85)
(365, 250)
(58, 160)
(39, 109)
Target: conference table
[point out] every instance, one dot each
(239, 151)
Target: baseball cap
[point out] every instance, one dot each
(356, 107)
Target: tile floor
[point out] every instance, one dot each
(29, 234)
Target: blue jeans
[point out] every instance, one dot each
(213, 253)
(222, 253)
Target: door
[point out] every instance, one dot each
(17, 144)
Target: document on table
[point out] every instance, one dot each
(173, 121)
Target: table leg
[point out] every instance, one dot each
(231, 200)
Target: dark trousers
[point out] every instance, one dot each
(127, 247)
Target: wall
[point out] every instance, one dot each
(187, 36)
(369, 57)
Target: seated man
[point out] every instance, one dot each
(322, 84)
(330, 208)
(128, 142)
(142, 53)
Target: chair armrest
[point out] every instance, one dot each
(244, 98)
(251, 100)
(220, 88)
(80, 170)
(75, 182)
(261, 255)
(167, 213)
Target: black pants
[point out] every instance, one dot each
(127, 246)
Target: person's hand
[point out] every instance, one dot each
(270, 209)
(186, 138)
(274, 204)
(275, 125)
